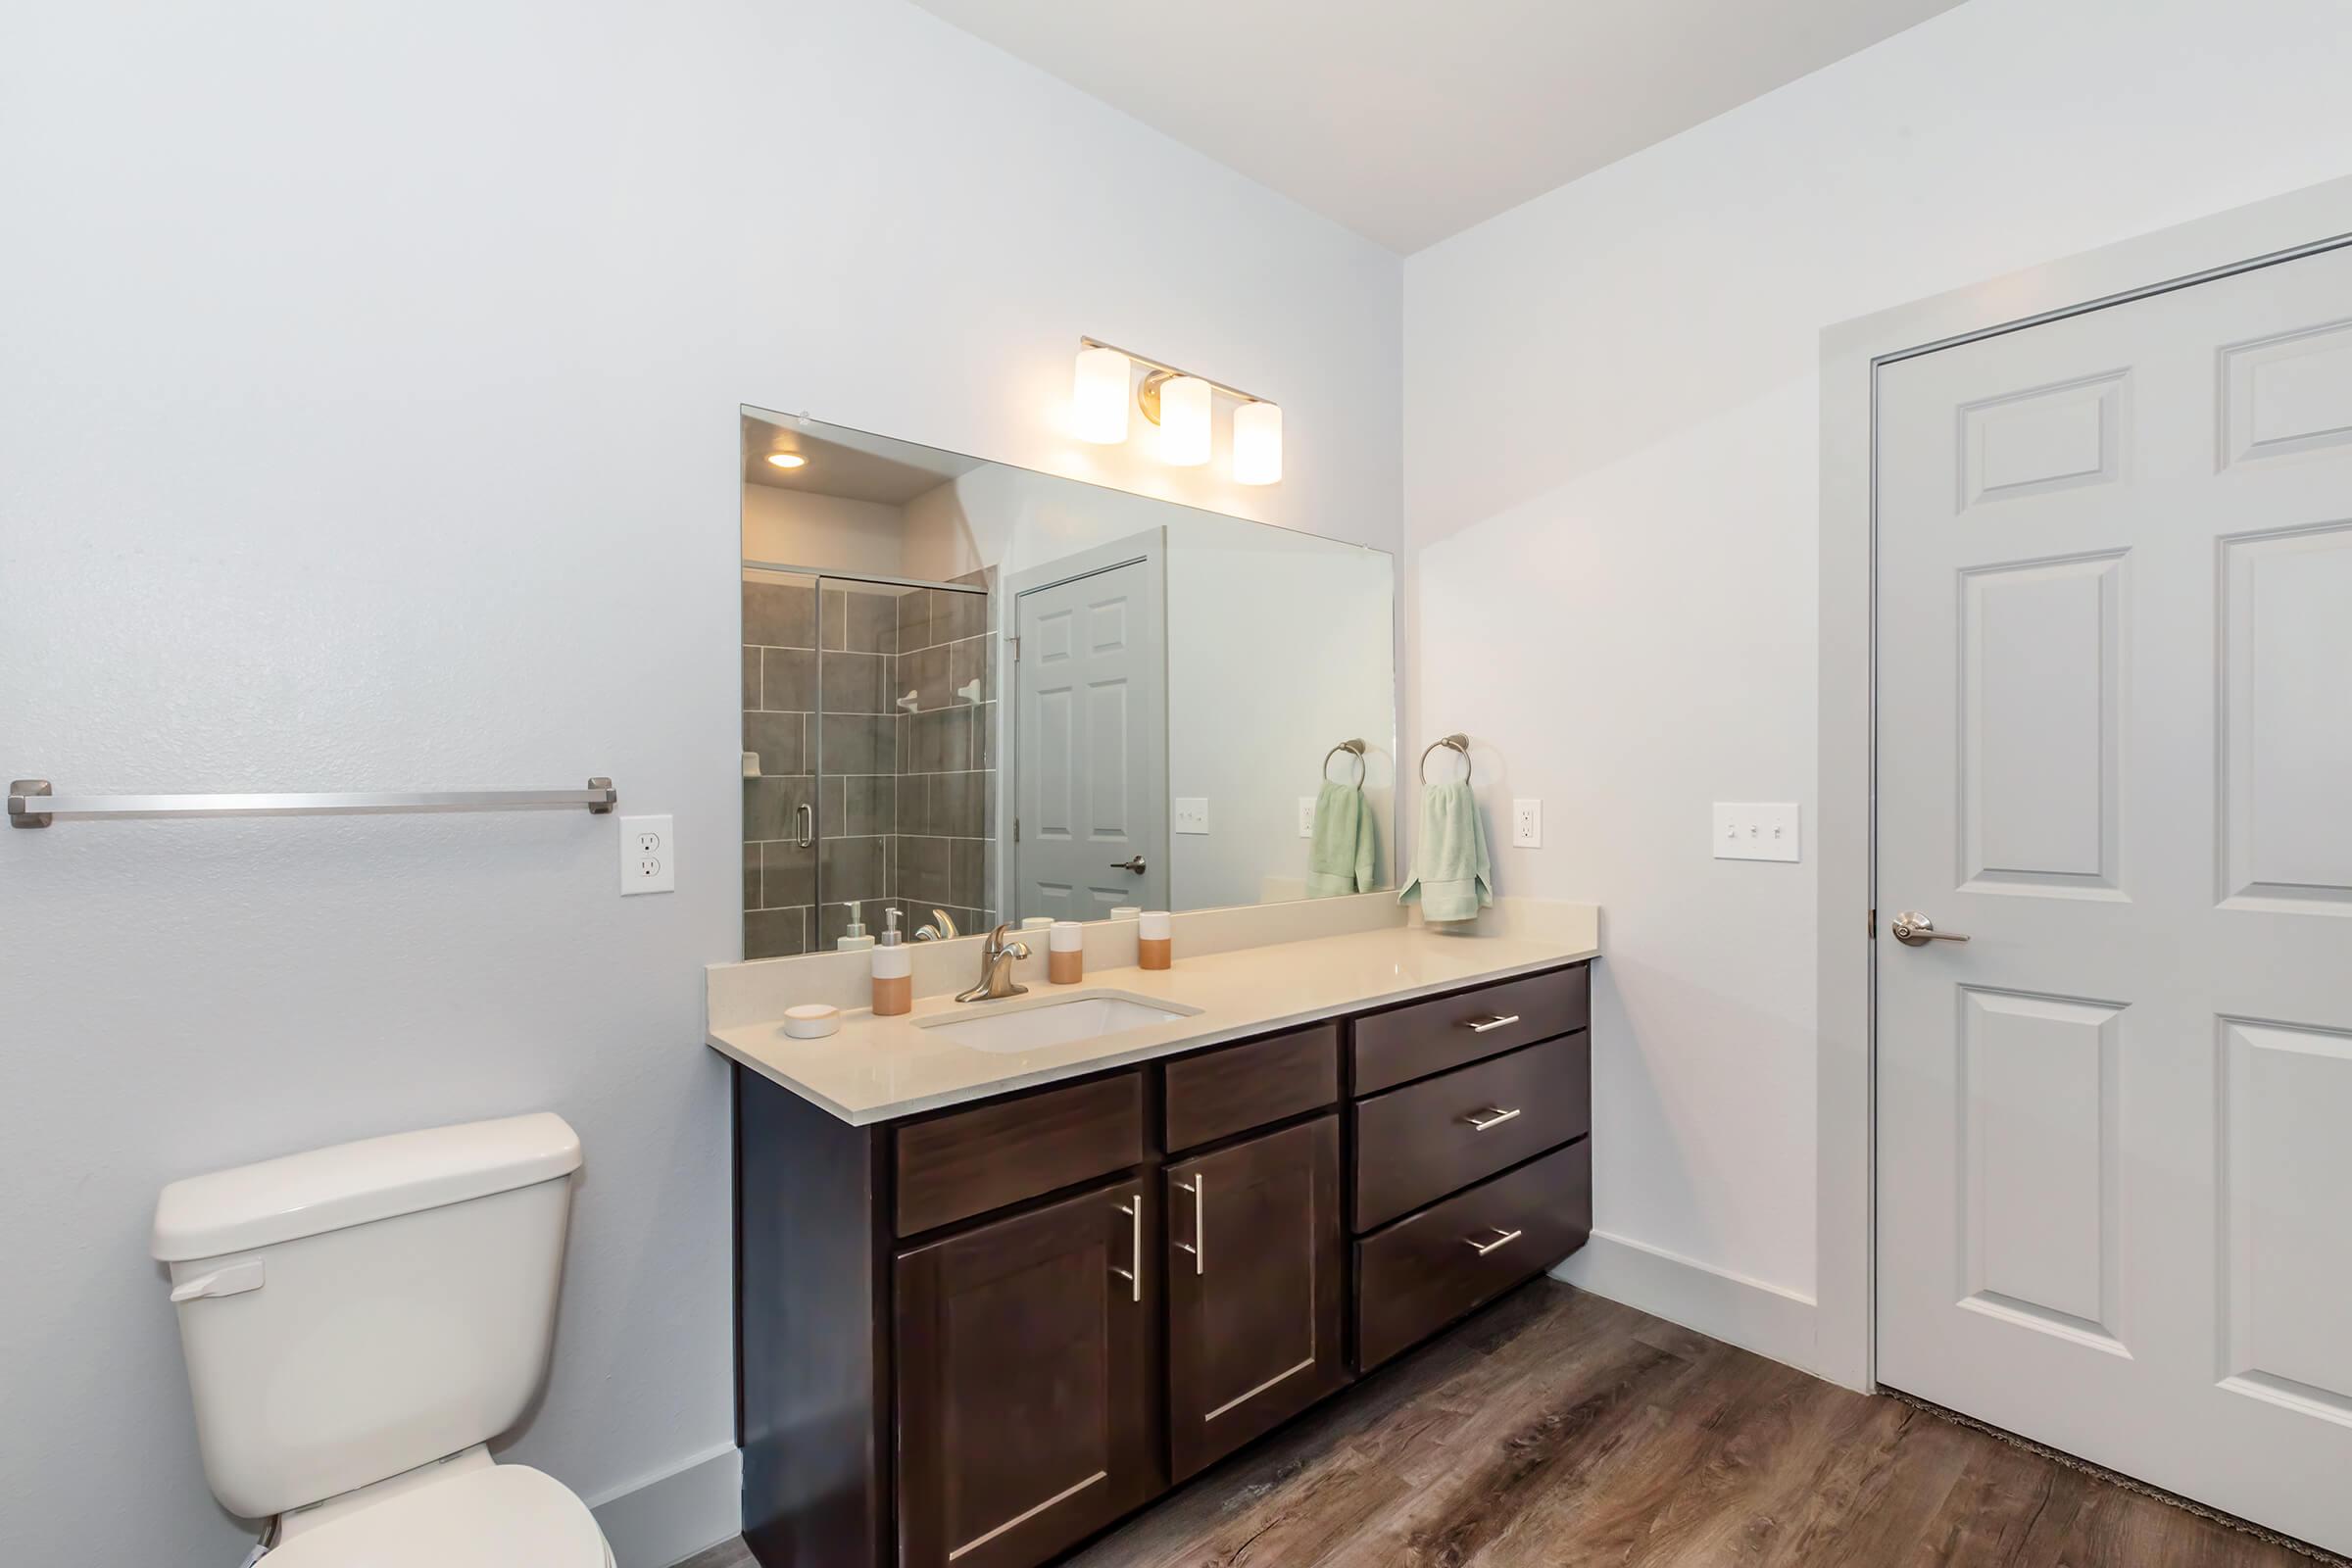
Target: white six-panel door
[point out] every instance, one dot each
(2115, 750)
(1090, 794)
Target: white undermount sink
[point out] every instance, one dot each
(1051, 1023)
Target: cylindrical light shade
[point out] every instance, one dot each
(1258, 443)
(1099, 396)
(1184, 421)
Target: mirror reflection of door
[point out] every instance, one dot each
(1089, 684)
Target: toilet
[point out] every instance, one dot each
(359, 1322)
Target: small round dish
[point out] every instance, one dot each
(812, 1022)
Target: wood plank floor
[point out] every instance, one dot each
(1558, 1428)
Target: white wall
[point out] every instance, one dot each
(1611, 483)
(803, 528)
(369, 399)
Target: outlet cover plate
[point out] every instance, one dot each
(1758, 831)
(648, 860)
(1527, 824)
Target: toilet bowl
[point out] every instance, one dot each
(485, 1515)
(357, 1322)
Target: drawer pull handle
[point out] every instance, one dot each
(1479, 1026)
(1134, 1276)
(1503, 1238)
(1198, 1188)
(1492, 1116)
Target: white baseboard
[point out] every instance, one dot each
(1747, 1312)
(667, 1519)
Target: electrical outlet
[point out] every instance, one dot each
(1756, 831)
(648, 856)
(1191, 813)
(1306, 817)
(1527, 824)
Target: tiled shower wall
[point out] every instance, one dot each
(944, 849)
(904, 801)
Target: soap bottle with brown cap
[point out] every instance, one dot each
(894, 969)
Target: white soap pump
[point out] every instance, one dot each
(856, 939)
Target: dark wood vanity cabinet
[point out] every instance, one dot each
(1027, 1404)
(981, 1335)
(1256, 1289)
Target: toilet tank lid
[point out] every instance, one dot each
(351, 1184)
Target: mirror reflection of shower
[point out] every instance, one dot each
(864, 787)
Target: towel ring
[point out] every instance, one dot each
(1355, 749)
(1452, 743)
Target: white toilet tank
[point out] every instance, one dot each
(357, 1311)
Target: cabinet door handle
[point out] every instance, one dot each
(1134, 1247)
(1492, 1116)
(1503, 1238)
(1479, 1026)
(1198, 1188)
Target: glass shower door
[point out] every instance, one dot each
(779, 761)
(857, 747)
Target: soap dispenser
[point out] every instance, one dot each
(894, 971)
(856, 939)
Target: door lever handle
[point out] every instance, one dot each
(1134, 863)
(1915, 930)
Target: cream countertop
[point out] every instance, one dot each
(877, 1069)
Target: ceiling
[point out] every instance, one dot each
(892, 472)
(1410, 123)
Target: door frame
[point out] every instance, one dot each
(2263, 233)
(1147, 548)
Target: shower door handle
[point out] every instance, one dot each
(805, 816)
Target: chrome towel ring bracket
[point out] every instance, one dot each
(1355, 749)
(1451, 743)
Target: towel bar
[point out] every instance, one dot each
(32, 803)
(1452, 743)
(1355, 749)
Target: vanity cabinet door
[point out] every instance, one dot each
(1256, 1292)
(1026, 1395)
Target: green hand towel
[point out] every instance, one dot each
(1453, 879)
(1339, 858)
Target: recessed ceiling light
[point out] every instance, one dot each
(788, 460)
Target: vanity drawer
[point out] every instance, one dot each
(1427, 1036)
(966, 1162)
(1220, 1092)
(1422, 1273)
(1415, 1145)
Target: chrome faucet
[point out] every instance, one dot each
(996, 969)
(941, 929)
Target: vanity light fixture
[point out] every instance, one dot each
(1180, 404)
(788, 460)
(1258, 443)
(1098, 395)
(1184, 421)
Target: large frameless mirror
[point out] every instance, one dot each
(978, 693)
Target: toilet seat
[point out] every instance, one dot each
(489, 1516)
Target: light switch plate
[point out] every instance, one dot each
(648, 857)
(1191, 813)
(1527, 824)
(1306, 817)
(1756, 831)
